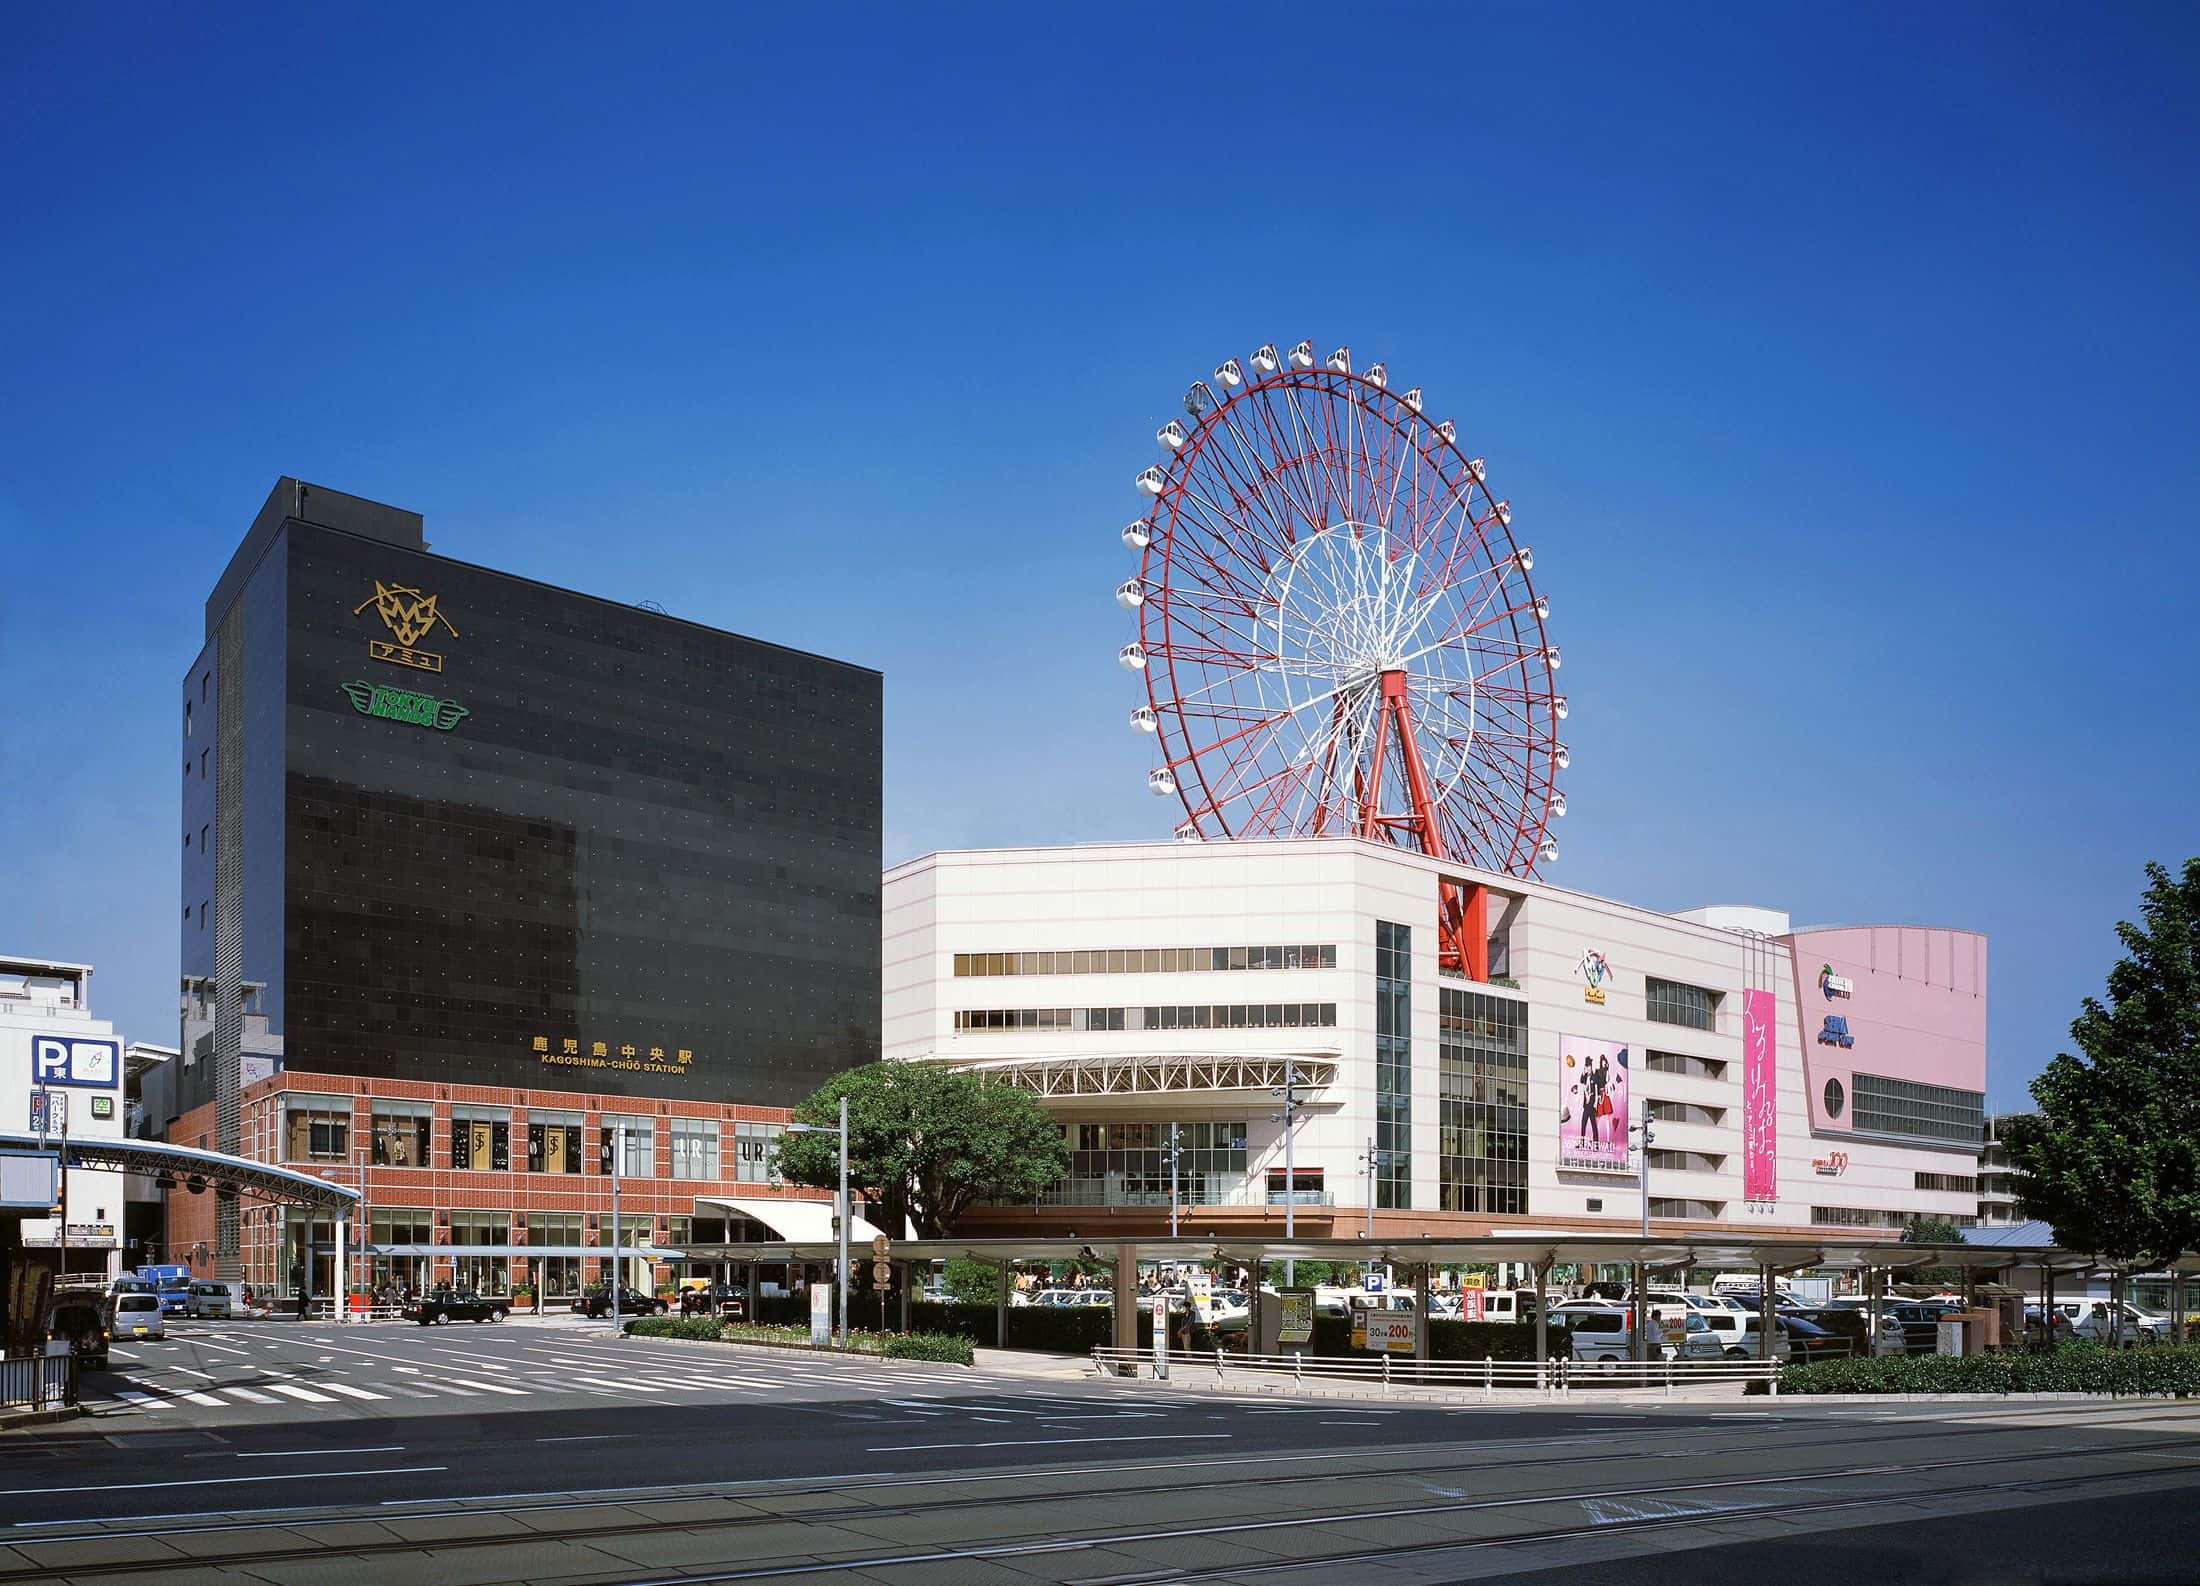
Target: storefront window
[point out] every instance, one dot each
(401, 1136)
(753, 1146)
(481, 1140)
(395, 1275)
(484, 1274)
(317, 1129)
(554, 1142)
(555, 1277)
(637, 1145)
(694, 1148)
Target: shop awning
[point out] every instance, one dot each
(796, 1222)
(647, 1252)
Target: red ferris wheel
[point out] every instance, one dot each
(1337, 631)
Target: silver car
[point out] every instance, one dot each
(209, 1301)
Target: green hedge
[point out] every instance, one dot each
(702, 1327)
(2073, 1368)
(944, 1347)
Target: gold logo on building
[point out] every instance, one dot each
(411, 616)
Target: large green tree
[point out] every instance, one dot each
(2112, 1157)
(926, 1143)
(1931, 1231)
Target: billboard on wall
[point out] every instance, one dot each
(1760, 1100)
(1592, 1111)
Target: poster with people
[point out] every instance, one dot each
(1592, 1104)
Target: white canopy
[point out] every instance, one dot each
(796, 1222)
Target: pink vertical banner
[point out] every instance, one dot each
(1760, 1099)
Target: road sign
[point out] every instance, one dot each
(878, 1246)
(1161, 1336)
(1375, 1279)
(49, 1111)
(882, 1273)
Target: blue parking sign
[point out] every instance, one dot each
(67, 1060)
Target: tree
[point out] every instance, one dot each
(1932, 1231)
(926, 1143)
(2112, 1157)
(969, 1282)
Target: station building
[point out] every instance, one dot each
(486, 884)
(1159, 993)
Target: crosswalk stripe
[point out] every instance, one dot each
(252, 1396)
(144, 1401)
(350, 1392)
(301, 1393)
(197, 1397)
(619, 1387)
(485, 1387)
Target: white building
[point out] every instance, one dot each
(1136, 986)
(50, 1045)
(1997, 1185)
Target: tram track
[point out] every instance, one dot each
(516, 1515)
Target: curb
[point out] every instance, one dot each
(22, 1418)
(810, 1350)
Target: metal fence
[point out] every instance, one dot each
(38, 1382)
(1487, 1375)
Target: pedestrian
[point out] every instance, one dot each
(301, 1302)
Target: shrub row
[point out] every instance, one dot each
(944, 1347)
(2073, 1368)
(704, 1327)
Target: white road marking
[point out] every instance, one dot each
(306, 1394)
(251, 1395)
(317, 1453)
(219, 1481)
(144, 1401)
(1049, 1442)
(350, 1392)
(486, 1387)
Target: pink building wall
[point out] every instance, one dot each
(1917, 1009)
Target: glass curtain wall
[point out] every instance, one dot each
(555, 1277)
(399, 1274)
(482, 1274)
(1393, 1066)
(1482, 1103)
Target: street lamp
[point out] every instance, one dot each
(1641, 1135)
(1173, 1155)
(1288, 1094)
(840, 1208)
(1373, 1158)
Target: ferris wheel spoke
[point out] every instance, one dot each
(1248, 483)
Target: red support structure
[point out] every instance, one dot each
(1462, 911)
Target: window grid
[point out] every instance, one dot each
(1688, 1161)
(1393, 1066)
(1695, 1211)
(1951, 1183)
(754, 1149)
(694, 1148)
(1685, 1112)
(1219, 1016)
(1482, 1103)
(1146, 960)
(1880, 1105)
(1683, 1063)
(1127, 1164)
(1671, 1002)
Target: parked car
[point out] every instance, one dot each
(1604, 1332)
(1737, 1333)
(2090, 1319)
(454, 1305)
(632, 1302)
(209, 1301)
(82, 1320)
(135, 1316)
(1805, 1340)
(716, 1299)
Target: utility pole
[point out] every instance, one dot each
(1289, 1118)
(841, 1209)
(1371, 1158)
(616, 1145)
(1644, 1133)
(1172, 1180)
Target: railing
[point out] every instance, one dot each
(38, 1382)
(1396, 1371)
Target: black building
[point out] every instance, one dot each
(448, 825)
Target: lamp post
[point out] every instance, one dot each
(1643, 1133)
(1289, 1118)
(1172, 1180)
(1372, 1158)
(840, 1209)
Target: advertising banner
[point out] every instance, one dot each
(1297, 1306)
(1760, 1100)
(1385, 1332)
(1592, 1110)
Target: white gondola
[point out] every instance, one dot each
(1303, 355)
(1231, 374)
(1130, 594)
(1558, 804)
(1475, 468)
(1186, 832)
(1562, 757)
(1340, 361)
(1525, 558)
(1161, 781)
(1131, 658)
(1505, 513)
(1138, 535)
(1378, 377)
(1448, 433)
(1144, 720)
(1558, 707)
(1550, 656)
(1550, 850)
(1153, 481)
(1268, 360)
(1543, 608)
(1412, 400)
(1173, 435)
(1198, 399)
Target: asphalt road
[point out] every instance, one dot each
(566, 1455)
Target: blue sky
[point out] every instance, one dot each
(1839, 363)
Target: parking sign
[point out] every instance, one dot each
(62, 1060)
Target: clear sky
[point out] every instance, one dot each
(1839, 362)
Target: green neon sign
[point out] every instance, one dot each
(397, 704)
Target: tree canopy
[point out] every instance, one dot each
(1923, 1230)
(926, 1143)
(2112, 1157)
